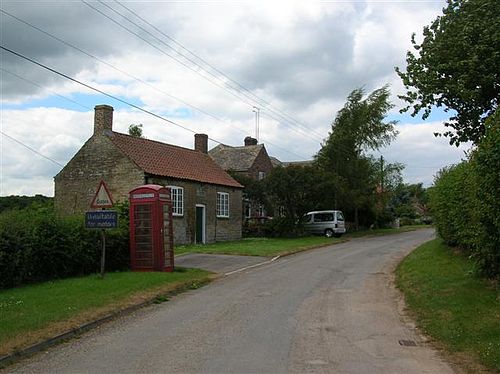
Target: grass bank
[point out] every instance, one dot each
(280, 246)
(33, 313)
(451, 305)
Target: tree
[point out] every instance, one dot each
(457, 67)
(358, 126)
(135, 130)
(297, 190)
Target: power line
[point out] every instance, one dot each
(31, 149)
(111, 96)
(129, 75)
(98, 90)
(109, 65)
(222, 86)
(261, 101)
(39, 86)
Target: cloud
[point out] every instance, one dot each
(302, 58)
(422, 153)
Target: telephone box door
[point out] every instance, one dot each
(143, 233)
(151, 232)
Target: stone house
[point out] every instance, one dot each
(250, 160)
(206, 200)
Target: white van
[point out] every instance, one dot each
(325, 222)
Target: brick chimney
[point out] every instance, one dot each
(103, 118)
(250, 141)
(201, 143)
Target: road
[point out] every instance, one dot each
(329, 310)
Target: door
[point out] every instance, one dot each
(200, 224)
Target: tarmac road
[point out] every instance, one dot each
(329, 310)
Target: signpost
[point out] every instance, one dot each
(102, 219)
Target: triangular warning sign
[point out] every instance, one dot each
(102, 198)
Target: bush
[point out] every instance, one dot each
(36, 246)
(283, 227)
(465, 203)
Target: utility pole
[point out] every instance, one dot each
(382, 173)
(256, 110)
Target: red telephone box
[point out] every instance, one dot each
(151, 232)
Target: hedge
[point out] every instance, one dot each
(36, 245)
(465, 203)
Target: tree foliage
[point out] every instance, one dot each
(135, 130)
(298, 189)
(457, 67)
(360, 125)
(21, 202)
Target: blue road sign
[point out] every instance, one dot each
(101, 219)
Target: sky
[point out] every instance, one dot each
(204, 67)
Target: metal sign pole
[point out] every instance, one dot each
(103, 252)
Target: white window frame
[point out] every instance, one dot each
(177, 195)
(222, 205)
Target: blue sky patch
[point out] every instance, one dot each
(77, 102)
(437, 114)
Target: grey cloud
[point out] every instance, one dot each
(321, 67)
(72, 22)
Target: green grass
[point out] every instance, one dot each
(259, 246)
(450, 303)
(279, 246)
(31, 308)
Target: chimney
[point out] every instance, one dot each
(103, 119)
(201, 143)
(250, 141)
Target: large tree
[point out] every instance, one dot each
(457, 67)
(359, 126)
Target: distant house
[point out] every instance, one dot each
(251, 161)
(206, 200)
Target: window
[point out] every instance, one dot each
(262, 175)
(248, 209)
(177, 194)
(323, 217)
(222, 204)
(261, 212)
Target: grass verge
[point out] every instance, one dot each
(259, 246)
(280, 246)
(33, 313)
(451, 304)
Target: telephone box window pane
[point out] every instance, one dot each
(143, 235)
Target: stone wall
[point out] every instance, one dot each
(217, 229)
(98, 159)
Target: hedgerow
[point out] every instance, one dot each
(36, 245)
(465, 203)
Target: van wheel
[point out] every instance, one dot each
(329, 233)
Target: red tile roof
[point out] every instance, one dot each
(171, 161)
